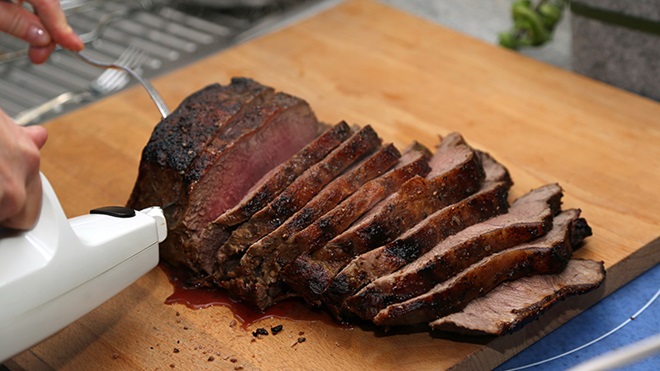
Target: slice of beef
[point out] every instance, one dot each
(249, 270)
(489, 201)
(176, 145)
(264, 286)
(329, 197)
(180, 137)
(267, 135)
(528, 218)
(546, 255)
(513, 304)
(208, 172)
(279, 178)
(271, 184)
(294, 197)
(456, 173)
(414, 163)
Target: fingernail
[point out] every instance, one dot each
(37, 36)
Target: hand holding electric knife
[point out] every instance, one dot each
(56, 271)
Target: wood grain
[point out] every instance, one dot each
(412, 80)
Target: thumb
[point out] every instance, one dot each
(38, 134)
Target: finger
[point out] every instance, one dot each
(39, 55)
(29, 215)
(38, 134)
(19, 22)
(53, 19)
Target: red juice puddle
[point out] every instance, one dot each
(246, 314)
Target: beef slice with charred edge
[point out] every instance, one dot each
(279, 178)
(546, 255)
(267, 287)
(456, 173)
(213, 235)
(528, 218)
(295, 196)
(489, 201)
(179, 138)
(414, 163)
(267, 135)
(513, 304)
(328, 197)
(249, 269)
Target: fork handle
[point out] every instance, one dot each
(153, 93)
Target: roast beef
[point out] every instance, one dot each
(528, 218)
(249, 270)
(513, 304)
(279, 178)
(232, 172)
(205, 244)
(456, 173)
(176, 144)
(262, 199)
(413, 164)
(180, 137)
(546, 255)
(259, 281)
(295, 196)
(491, 200)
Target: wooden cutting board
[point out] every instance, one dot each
(366, 63)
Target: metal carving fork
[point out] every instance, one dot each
(112, 80)
(158, 100)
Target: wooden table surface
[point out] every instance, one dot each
(366, 63)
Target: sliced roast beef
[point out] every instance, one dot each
(177, 142)
(546, 255)
(513, 304)
(204, 244)
(490, 200)
(287, 124)
(456, 173)
(249, 270)
(295, 196)
(263, 199)
(528, 218)
(269, 287)
(279, 178)
(413, 164)
(180, 137)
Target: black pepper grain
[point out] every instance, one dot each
(260, 331)
(276, 329)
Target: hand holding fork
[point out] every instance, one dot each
(43, 28)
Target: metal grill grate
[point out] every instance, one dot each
(170, 35)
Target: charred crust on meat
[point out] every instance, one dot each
(341, 219)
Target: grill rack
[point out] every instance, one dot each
(172, 34)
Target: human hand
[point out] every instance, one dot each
(20, 182)
(43, 29)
